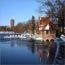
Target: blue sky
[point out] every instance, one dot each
(19, 10)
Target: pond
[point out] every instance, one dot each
(24, 52)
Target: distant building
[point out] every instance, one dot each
(12, 23)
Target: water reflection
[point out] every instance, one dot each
(21, 52)
(52, 51)
(62, 51)
(46, 50)
(43, 52)
(60, 59)
(31, 46)
(11, 44)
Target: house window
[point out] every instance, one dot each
(40, 23)
(47, 31)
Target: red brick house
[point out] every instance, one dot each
(47, 28)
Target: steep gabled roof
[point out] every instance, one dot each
(44, 19)
(47, 21)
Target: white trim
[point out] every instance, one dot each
(47, 27)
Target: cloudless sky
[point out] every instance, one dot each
(19, 10)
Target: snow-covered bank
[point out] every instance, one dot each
(63, 37)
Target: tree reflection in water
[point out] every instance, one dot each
(46, 50)
(31, 45)
(61, 51)
(11, 43)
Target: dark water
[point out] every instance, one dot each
(24, 52)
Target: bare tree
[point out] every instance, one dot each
(54, 9)
(19, 28)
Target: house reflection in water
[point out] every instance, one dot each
(43, 52)
(52, 51)
(46, 52)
